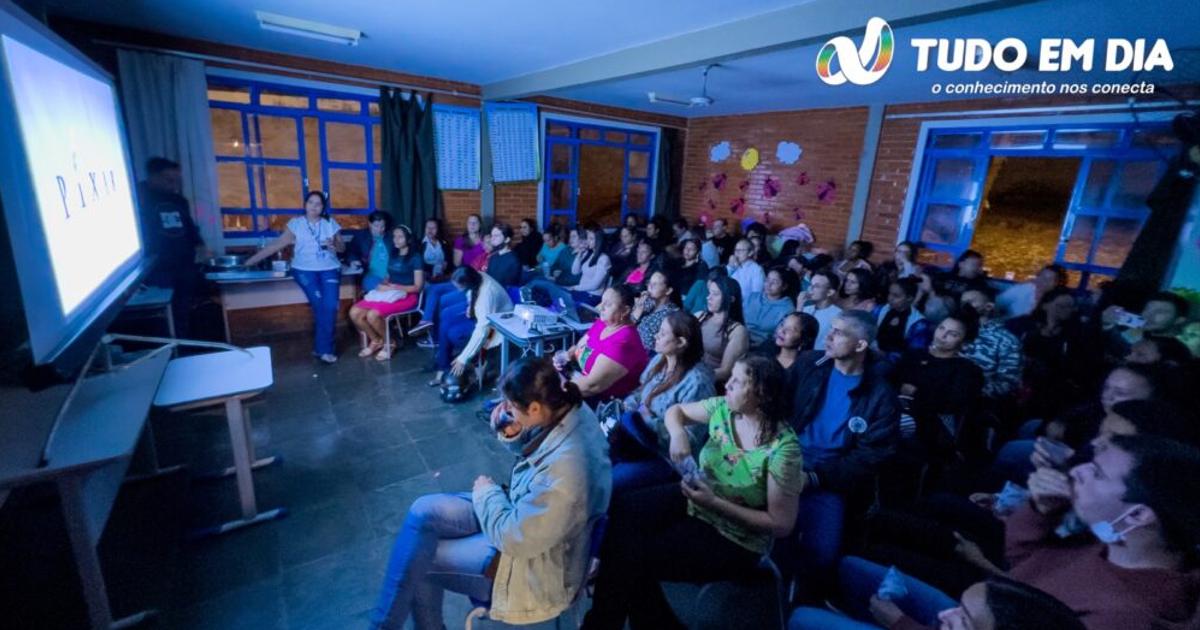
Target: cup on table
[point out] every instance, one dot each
(279, 265)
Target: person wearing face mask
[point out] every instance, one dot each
(744, 270)
(523, 546)
(993, 604)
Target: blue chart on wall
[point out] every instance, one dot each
(456, 136)
(513, 138)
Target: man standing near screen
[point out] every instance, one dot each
(170, 236)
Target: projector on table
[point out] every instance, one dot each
(534, 316)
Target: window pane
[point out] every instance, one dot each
(639, 164)
(346, 142)
(282, 99)
(638, 138)
(277, 137)
(614, 136)
(953, 179)
(373, 109)
(1116, 241)
(942, 223)
(284, 188)
(312, 154)
(560, 194)
(377, 143)
(342, 105)
(1157, 138)
(956, 140)
(554, 129)
(347, 189)
(230, 94)
(275, 222)
(1136, 181)
(935, 258)
(635, 197)
(352, 221)
(1099, 176)
(378, 183)
(233, 188)
(1080, 241)
(589, 133)
(227, 132)
(560, 158)
(1019, 139)
(237, 222)
(1087, 138)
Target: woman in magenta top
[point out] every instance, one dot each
(469, 248)
(639, 274)
(611, 356)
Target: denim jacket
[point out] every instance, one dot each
(543, 524)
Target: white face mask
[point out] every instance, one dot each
(1106, 531)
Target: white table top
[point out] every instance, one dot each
(215, 375)
(149, 296)
(514, 328)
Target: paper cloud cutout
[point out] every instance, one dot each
(788, 152)
(719, 152)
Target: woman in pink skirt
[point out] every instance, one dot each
(398, 293)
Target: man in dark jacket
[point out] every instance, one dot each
(847, 417)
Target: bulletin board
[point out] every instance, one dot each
(513, 139)
(456, 138)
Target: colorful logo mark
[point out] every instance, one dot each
(855, 62)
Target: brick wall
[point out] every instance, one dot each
(831, 140)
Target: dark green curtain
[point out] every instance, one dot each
(666, 184)
(409, 168)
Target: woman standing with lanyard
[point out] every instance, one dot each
(315, 266)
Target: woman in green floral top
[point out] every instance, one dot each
(715, 525)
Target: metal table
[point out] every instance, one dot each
(513, 330)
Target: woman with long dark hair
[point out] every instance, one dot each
(465, 331)
(436, 251)
(315, 267)
(624, 250)
(722, 326)
(676, 374)
(406, 274)
(741, 495)
(531, 243)
(592, 267)
(522, 546)
(469, 249)
(858, 291)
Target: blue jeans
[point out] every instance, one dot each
(858, 580)
(810, 553)
(440, 546)
(321, 288)
(453, 334)
(439, 296)
(633, 447)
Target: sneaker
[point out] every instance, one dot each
(328, 359)
(421, 327)
(427, 343)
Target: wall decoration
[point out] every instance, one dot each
(798, 213)
(712, 205)
(513, 137)
(827, 191)
(744, 185)
(750, 159)
(771, 188)
(767, 218)
(719, 152)
(738, 206)
(705, 218)
(788, 152)
(702, 186)
(802, 178)
(718, 181)
(456, 142)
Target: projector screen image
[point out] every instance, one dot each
(73, 146)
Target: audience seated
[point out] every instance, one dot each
(436, 253)
(1164, 314)
(464, 327)
(1060, 359)
(796, 333)
(901, 326)
(718, 249)
(676, 374)
(1159, 350)
(652, 306)
(658, 233)
(637, 274)
(522, 547)
(744, 270)
(552, 248)
(967, 274)
(995, 350)
(820, 301)
(902, 265)
(858, 256)
(610, 357)
(722, 326)
(857, 294)
(688, 276)
(623, 251)
(722, 524)
(370, 248)
(469, 248)
(847, 417)
(1021, 299)
(405, 274)
(531, 244)
(764, 310)
(502, 264)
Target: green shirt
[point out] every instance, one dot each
(740, 476)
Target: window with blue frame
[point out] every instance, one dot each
(596, 173)
(274, 143)
(1026, 195)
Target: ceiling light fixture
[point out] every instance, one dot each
(308, 28)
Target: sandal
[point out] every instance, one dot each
(385, 354)
(371, 348)
(436, 381)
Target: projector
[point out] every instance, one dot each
(535, 316)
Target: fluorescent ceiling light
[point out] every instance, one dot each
(308, 28)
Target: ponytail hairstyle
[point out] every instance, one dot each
(466, 278)
(324, 197)
(534, 379)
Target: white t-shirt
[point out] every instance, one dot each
(308, 254)
(824, 317)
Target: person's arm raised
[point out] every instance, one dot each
(285, 239)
